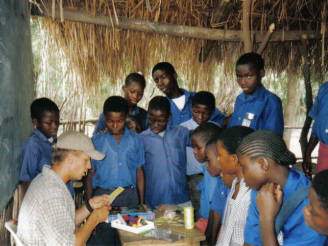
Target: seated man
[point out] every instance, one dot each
(47, 215)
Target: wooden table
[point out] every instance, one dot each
(191, 237)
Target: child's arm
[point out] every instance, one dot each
(268, 201)
(141, 184)
(213, 228)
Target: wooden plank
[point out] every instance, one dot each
(176, 30)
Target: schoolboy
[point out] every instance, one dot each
(220, 193)
(203, 110)
(37, 149)
(255, 107)
(124, 157)
(319, 113)
(133, 89)
(266, 163)
(165, 157)
(199, 138)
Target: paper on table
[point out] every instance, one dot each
(115, 193)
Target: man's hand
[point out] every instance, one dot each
(269, 200)
(99, 201)
(101, 214)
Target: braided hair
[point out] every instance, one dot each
(266, 144)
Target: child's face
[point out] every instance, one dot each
(165, 82)
(212, 160)
(247, 78)
(133, 125)
(157, 120)
(228, 162)
(115, 122)
(48, 124)
(254, 173)
(133, 93)
(315, 215)
(198, 148)
(200, 113)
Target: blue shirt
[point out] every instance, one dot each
(207, 187)
(219, 198)
(261, 110)
(165, 166)
(295, 231)
(121, 162)
(138, 113)
(178, 116)
(319, 112)
(35, 154)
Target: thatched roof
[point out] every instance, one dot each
(98, 51)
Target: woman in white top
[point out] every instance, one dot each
(235, 214)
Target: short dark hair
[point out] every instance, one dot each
(166, 67)
(41, 105)
(137, 78)
(319, 184)
(206, 131)
(159, 103)
(253, 59)
(116, 104)
(232, 137)
(204, 98)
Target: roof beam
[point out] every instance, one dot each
(176, 30)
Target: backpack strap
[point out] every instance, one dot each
(289, 206)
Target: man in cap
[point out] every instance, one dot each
(47, 215)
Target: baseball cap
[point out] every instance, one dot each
(72, 140)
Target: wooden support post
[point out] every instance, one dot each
(246, 25)
(304, 47)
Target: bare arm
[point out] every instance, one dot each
(83, 233)
(213, 228)
(141, 184)
(95, 203)
(307, 168)
(268, 201)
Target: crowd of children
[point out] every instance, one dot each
(238, 176)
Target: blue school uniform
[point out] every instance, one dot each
(207, 187)
(261, 110)
(138, 113)
(122, 159)
(295, 231)
(178, 116)
(35, 154)
(218, 117)
(165, 166)
(219, 198)
(319, 113)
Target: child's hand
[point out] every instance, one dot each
(99, 201)
(269, 200)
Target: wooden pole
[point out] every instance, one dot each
(304, 47)
(266, 39)
(175, 30)
(245, 26)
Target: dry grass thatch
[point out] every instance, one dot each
(98, 53)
